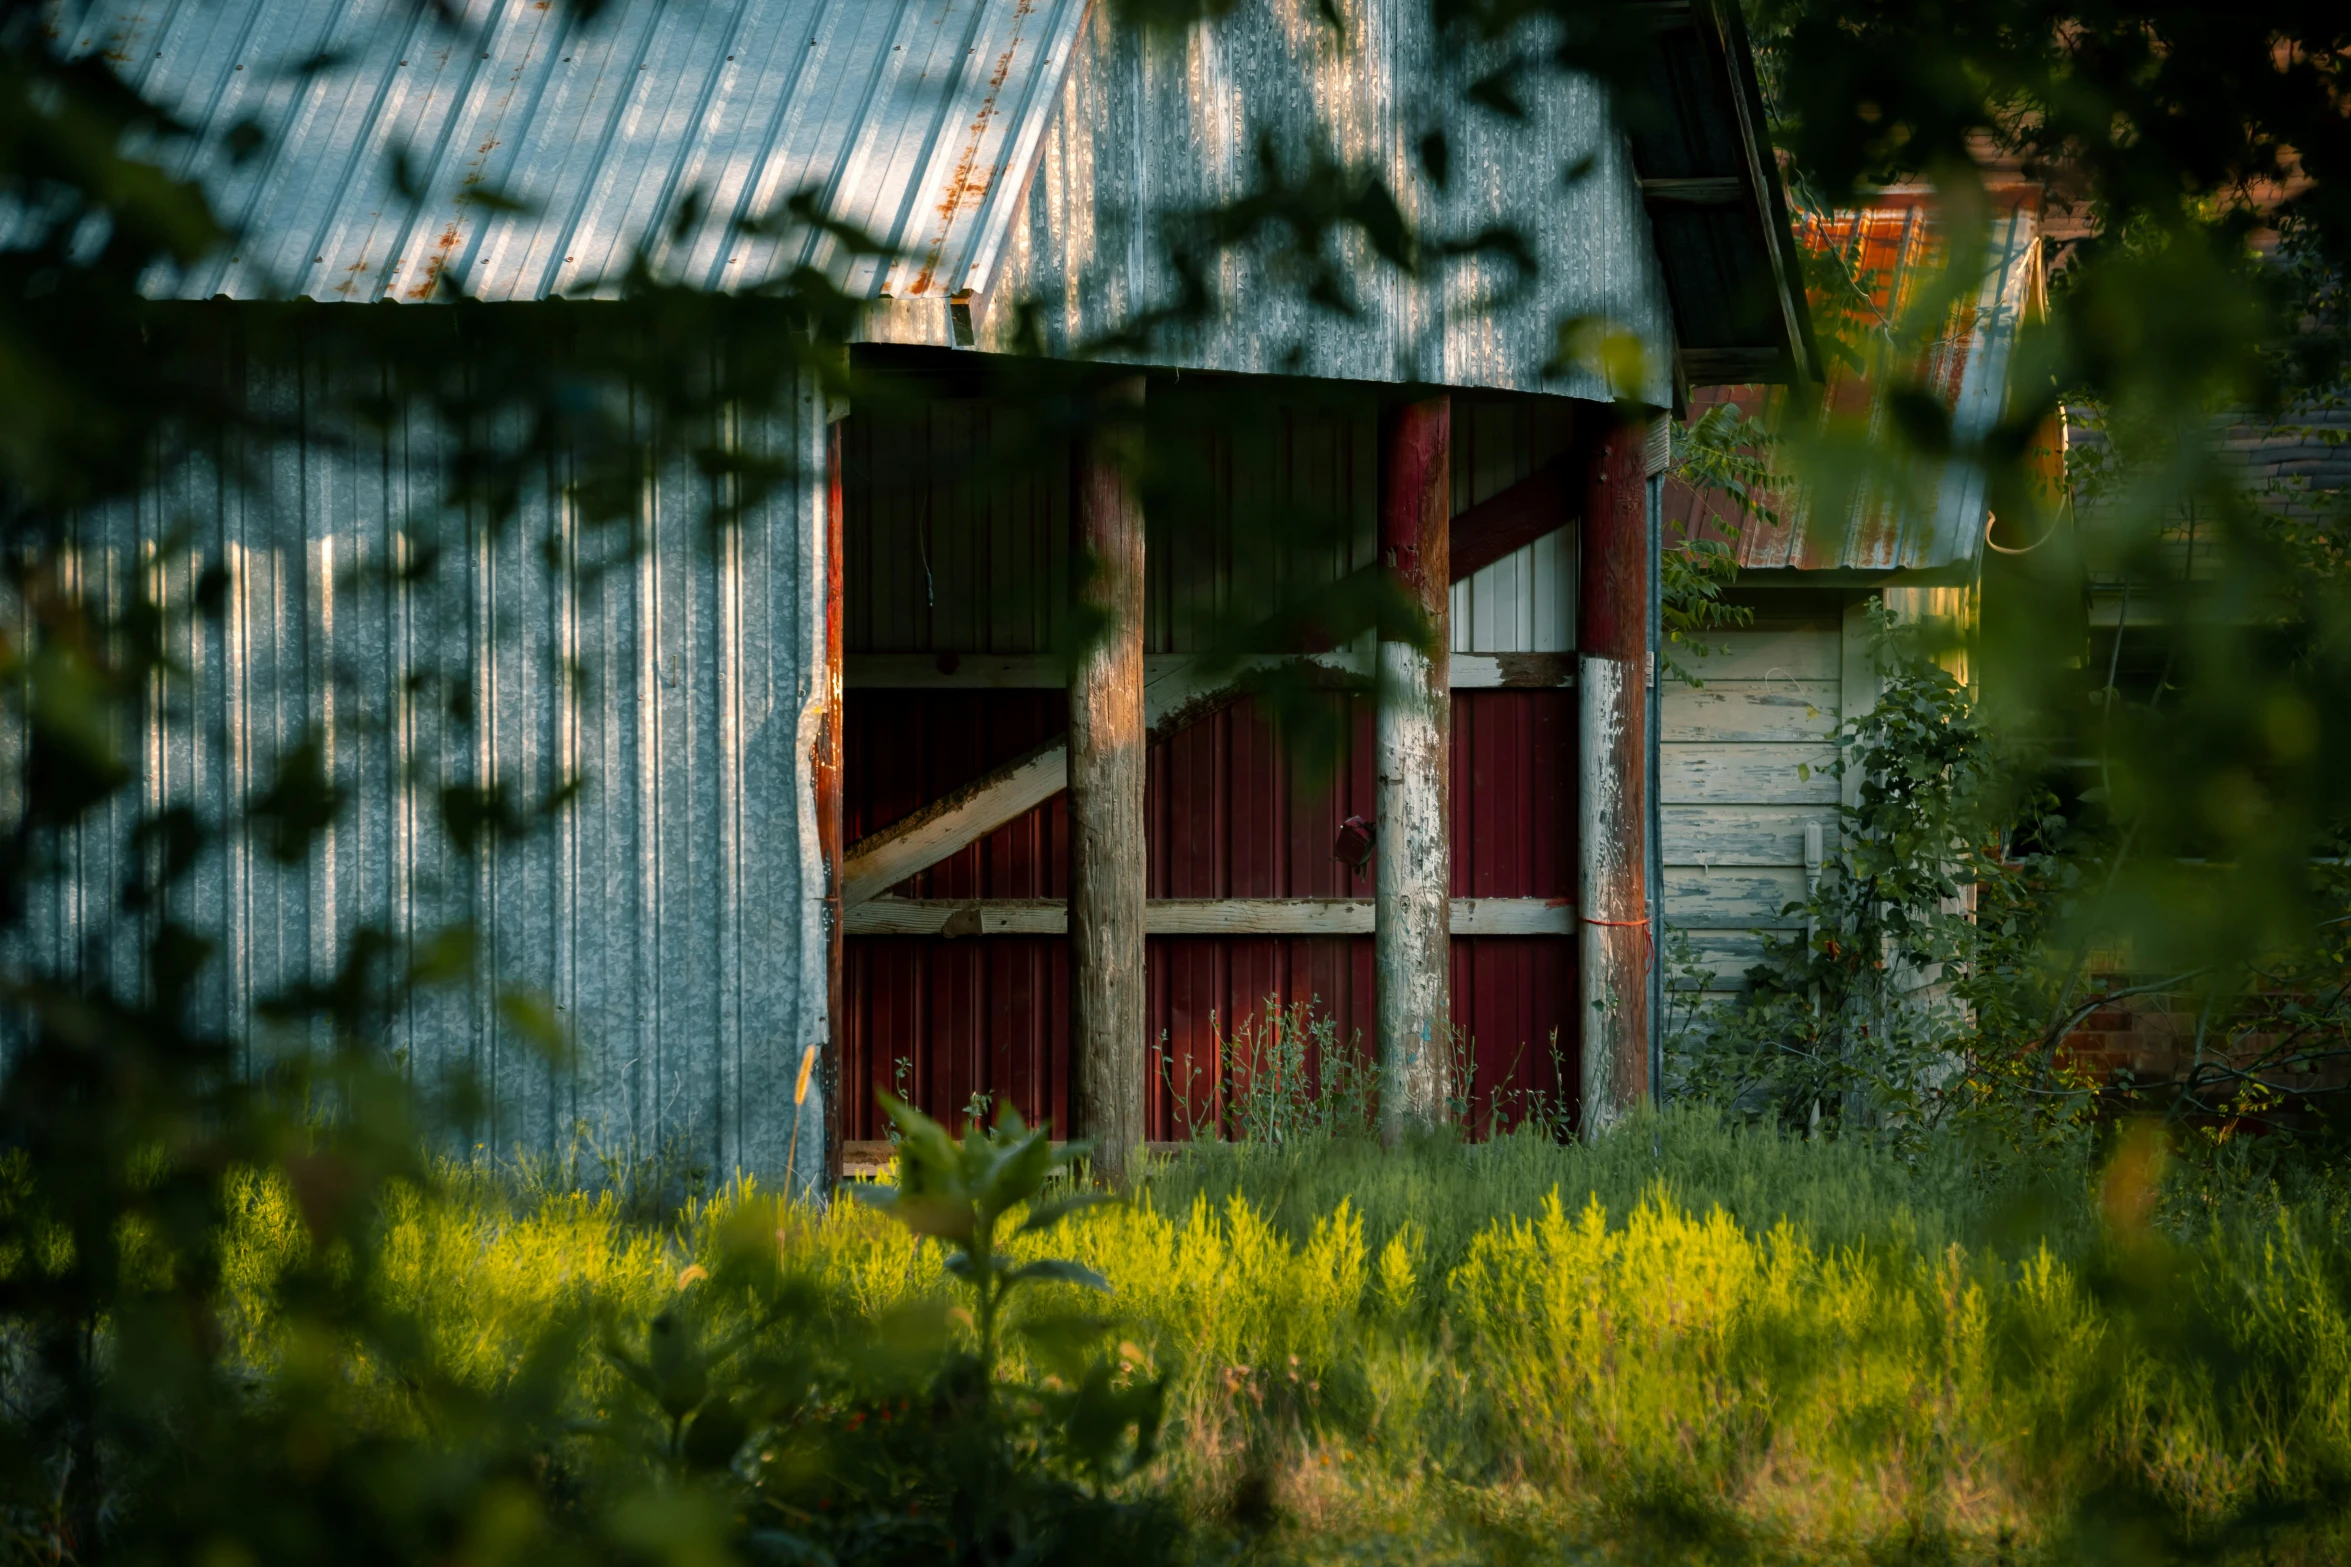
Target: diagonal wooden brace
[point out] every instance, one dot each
(1179, 696)
(1171, 699)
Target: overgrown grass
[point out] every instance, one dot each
(1682, 1342)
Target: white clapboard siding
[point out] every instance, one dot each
(1808, 652)
(1709, 836)
(1749, 711)
(1729, 774)
(1742, 897)
(1744, 762)
(1725, 954)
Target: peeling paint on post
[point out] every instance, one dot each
(825, 769)
(1106, 772)
(1411, 929)
(1613, 671)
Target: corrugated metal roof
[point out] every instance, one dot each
(1891, 251)
(916, 120)
(382, 171)
(1007, 152)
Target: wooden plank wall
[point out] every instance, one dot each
(1745, 759)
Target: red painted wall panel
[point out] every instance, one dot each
(957, 523)
(1232, 812)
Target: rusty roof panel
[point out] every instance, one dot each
(1005, 152)
(1892, 252)
(388, 167)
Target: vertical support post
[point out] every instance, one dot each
(1411, 920)
(1658, 456)
(826, 769)
(1612, 782)
(1106, 769)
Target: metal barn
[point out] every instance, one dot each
(846, 785)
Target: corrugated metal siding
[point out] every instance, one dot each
(958, 519)
(917, 120)
(1892, 251)
(957, 531)
(1513, 795)
(1231, 811)
(939, 1021)
(1149, 127)
(673, 916)
(1234, 813)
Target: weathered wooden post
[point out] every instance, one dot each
(1612, 784)
(825, 770)
(1106, 768)
(1411, 938)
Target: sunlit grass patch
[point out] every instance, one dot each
(1679, 1343)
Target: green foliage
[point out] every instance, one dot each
(1282, 1075)
(1721, 452)
(1681, 1342)
(2180, 137)
(957, 1192)
(1862, 1016)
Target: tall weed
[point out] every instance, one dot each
(1683, 1341)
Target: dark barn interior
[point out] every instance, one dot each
(1260, 504)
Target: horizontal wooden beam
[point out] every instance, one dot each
(1197, 917)
(1705, 190)
(1011, 671)
(1513, 671)
(1045, 672)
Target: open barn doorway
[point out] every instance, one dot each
(957, 582)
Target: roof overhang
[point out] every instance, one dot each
(1716, 206)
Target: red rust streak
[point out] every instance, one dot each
(964, 187)
(443, 249)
